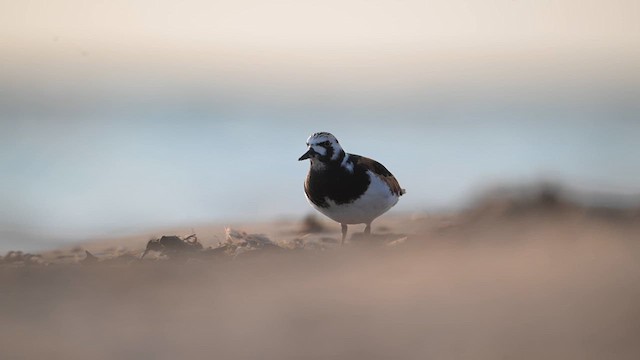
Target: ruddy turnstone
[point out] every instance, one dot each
(347, 188)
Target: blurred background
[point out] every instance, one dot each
(122, 116)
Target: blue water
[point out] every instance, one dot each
(124, 167)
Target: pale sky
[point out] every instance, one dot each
(310, 25)
(219, 32)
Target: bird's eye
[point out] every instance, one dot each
(326, 143)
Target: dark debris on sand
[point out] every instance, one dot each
(173, 245)
(18, 258)
(236, 244)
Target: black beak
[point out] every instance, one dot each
(307, 155)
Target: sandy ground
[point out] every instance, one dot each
(505, 280)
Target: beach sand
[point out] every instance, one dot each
(503, 280)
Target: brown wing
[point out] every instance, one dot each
(381, 171)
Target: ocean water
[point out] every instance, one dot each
(113, 167)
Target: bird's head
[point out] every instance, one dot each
(323, 148)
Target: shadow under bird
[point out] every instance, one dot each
(347, 188)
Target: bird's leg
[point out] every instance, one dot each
(344, 233)
(367, 229)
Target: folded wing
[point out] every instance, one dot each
(380, 171)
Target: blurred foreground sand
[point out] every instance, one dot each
(539, 280)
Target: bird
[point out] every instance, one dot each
(347, 188)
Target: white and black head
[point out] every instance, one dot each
(324, 148)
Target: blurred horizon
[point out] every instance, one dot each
(117, 117)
